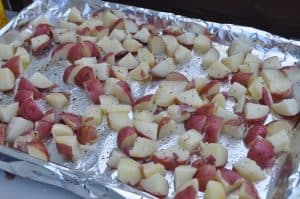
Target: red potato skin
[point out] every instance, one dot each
(21, 145)
(141, 134)
(250, 189)
(192, 84)
(233, 124)
(164, 121)
(121, 54)
(126, 152)
(2, 133)
(123, 134)
(211, 97)
(60, 47)
(171, 31)
(196, 122)
(176, 76)
(68, 72)
(198, 163)
(170, 163)
(256, 121)
(186, 110)
(206, 110)
(237, 122)
(30, 132)
(188, 46)
(146, 76)
(212, 129)
(119, 24)
(187, 193)
(43, 129)
(51, 116)
(254, 132)
(205, 90)
(242, 78)
(39, 51)
(98, 13)
(230, 176)
(37, 143)
(280, 96)
(210, 160)
(84, 74)
(24, 84)
(262, 152)
(125, 86)
(94, 52)
(72, 120)
(75, 52)
(30, 110)
(101, 28)
(266, 98)
(225, 94)
(42, 29)
(22, 95)
(204, 174)
(13, 64)
(86, 134)
(109, 57)
(141, 100)
(85, 31)
(221, 79)
(94, 89)
(210, 35)
(100, 31)
(151, 28)
(65, 150)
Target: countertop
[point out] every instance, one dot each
(18, 187)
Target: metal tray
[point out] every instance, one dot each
(89, 176)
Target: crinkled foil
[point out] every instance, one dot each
(89, 176)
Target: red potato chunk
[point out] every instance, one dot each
(23, 95)
(84, 74)
(42, 29)
(196, 122)
(43, 129)
(30, 110)
(15, 65)
(75, 52)
(86, 134)
(25, 84)
(204, 174)
(94, 89)
(242, 78)
(254, 132)
(72, 120)
(187, 193)
(262, 152)
(212, 129)
(206, 109)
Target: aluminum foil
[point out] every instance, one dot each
(89, 176)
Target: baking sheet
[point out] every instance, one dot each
(89, 176)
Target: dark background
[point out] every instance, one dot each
(279, 17)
